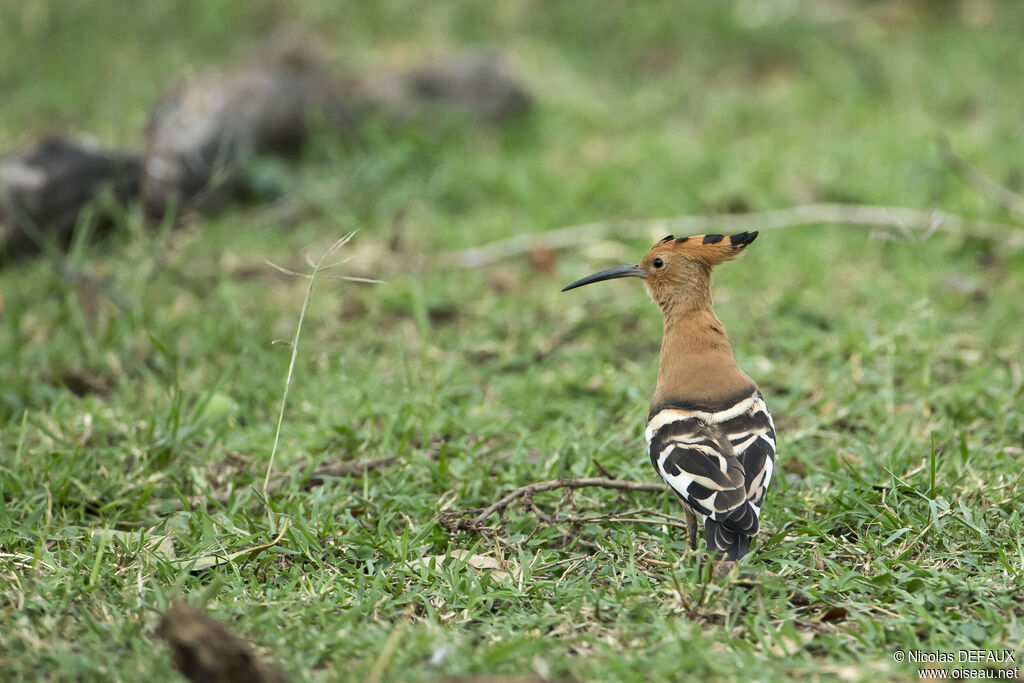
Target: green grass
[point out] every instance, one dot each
(893, 367)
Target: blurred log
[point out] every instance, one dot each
(204, 129)
(480, 83)
(43, 191)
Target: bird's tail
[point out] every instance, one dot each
(725, 542)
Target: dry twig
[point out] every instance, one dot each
(1009, 236)
(456, 519)
(984, 185)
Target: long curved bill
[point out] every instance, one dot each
(628, 270)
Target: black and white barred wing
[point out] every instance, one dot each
(697, 460)
(752, 435)
(720, 464)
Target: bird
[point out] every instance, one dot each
(709, 433)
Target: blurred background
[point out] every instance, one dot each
(636, 111)
(139, 369)
(642, 110)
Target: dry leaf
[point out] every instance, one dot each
(158, 545)
(502, 571)
(204, 562)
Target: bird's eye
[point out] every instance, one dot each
(657, 263)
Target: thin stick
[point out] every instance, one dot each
(601, 469)
(979, 181)
(1010, 236)
(554, 484)
(628, 516)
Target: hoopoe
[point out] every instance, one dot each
(709, 434)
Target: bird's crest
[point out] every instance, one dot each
(674, 266)
(710, 249)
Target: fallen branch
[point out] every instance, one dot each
(984, 185)
(629, 517)
(864, 215)
(456, 519)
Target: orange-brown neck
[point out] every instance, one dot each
(697, 367)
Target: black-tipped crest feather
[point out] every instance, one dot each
(742, 239)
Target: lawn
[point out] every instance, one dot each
(139, 401)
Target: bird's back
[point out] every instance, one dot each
(719, 460)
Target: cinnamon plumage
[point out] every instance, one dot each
(709, 434)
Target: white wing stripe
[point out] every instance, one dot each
(739, 448)
(668, 415)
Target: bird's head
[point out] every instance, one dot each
(677, 270)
